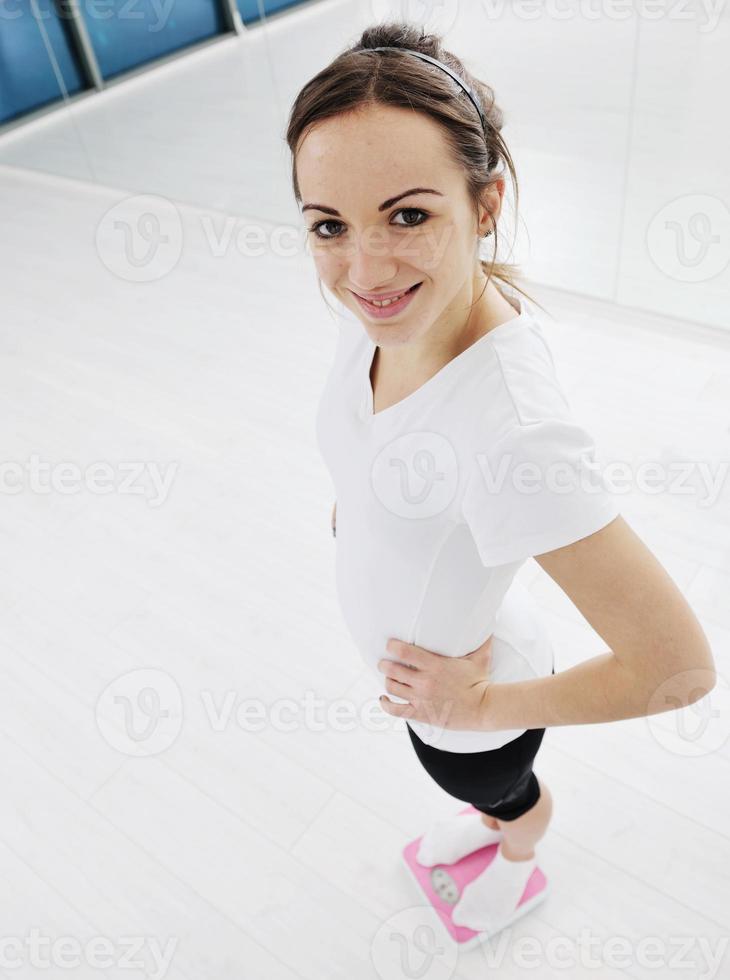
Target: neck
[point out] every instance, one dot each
(446, 337)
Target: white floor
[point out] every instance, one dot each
(276, 853)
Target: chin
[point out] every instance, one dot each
(392, 335)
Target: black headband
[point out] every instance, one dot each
(439, 64)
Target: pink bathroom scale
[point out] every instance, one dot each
(443, 885)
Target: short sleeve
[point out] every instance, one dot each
(537, 488)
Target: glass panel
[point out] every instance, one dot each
(126, 33)
(36, 58)
(251, 10)
(675, 246)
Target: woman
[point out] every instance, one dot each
(442, 384)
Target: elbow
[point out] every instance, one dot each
(702, 686)
(681, 690)
(682, 679)
(699, 675)
(704, 680)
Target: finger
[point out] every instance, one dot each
(396, 687)
(409, 653)
(395, 709)
(399, 672)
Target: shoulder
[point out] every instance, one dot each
(536, 422)
(535, 478)
(527, 371)
(516, 383)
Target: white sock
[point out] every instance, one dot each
(487, 902)
(451, 839)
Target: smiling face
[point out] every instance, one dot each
(368, 236)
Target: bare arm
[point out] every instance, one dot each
(659, 657)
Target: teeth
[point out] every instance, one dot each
(387, 302)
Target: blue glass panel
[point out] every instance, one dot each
(27, 76)
(250, 10)
(126, 33)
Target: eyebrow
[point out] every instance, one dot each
(381, 207)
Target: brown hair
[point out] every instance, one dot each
(353, 81)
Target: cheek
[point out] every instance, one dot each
(439, 249)
(329, 266)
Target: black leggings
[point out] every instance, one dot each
(499, 782)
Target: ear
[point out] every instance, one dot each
(490, 205)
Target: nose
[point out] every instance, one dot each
(372, 265)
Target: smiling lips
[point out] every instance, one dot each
(378, 297)
(385, 305)
(389, 300)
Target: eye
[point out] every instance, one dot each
(411, 224)
(320, 224)
(315, 229)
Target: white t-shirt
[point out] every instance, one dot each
(426, 547)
